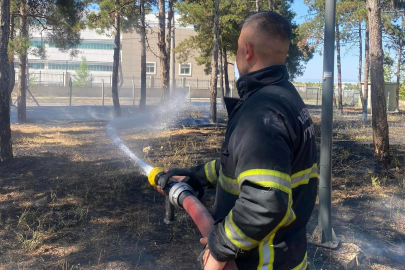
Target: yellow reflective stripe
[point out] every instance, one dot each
(266, 178)
(303, 265)
(213, 171)
(210, 172)
(236, 236)
(266, 252)
(302, 177)
(228, 185)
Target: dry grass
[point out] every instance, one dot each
(72, 200)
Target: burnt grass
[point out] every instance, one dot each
(70, 199)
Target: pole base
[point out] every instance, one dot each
(318, 239)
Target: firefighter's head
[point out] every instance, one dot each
(264, 41)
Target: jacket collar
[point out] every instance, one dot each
(254, 81)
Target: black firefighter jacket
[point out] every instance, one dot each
(266, 178)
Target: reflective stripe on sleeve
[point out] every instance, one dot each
(230, 185)
(236, 236)
(302, 177)
(303, 265)
(210, 172)
(266, 178)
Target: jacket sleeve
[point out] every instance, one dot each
(262, 146)
(207, 174)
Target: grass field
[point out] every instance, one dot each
(72, 200)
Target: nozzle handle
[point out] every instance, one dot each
(169, 210)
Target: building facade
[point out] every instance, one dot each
(186, 74)
(99, 50)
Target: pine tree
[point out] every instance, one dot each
(82, 78)
(63, 22)
(379, 109)
(6, 151)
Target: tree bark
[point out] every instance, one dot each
(22, 76)
(221, 73)
(164, 64)
(257, 5)
(214, 66)
(142, 103)
(227, 88)
(170, 15)
(11, 58)
(378, 102)
(117, 49)
(399, 63)
(360, 60)
(6, 151)
(271, 5)
(366, 72)
(339, 69)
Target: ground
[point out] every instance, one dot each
(72, 199)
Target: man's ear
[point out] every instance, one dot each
(249, 51)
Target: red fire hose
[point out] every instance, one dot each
(181, 195)
(203, 220)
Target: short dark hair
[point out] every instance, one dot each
(271, 24)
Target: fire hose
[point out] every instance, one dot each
(181, 195)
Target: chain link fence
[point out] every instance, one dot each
(54, 86)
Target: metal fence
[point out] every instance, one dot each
(313, 95)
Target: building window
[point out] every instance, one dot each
(185, 69)
(37, 65)
(151, 68)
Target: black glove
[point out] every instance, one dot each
(190, 179)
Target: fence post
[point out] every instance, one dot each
(197, 83)
(70, 92)
(102, 92)
(317, 96)
(91, 80)
(133, 91)
(39, 83)
(110, 80)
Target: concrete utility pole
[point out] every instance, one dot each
(324, 235)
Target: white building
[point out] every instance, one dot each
(98, 50)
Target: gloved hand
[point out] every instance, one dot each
(191, 180)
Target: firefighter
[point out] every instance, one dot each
(266, 176)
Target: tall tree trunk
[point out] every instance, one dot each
(170, 15)
(271, 5)
(22, 76)
(164, 64)
(339, 68)
(214, 66)
(11, 58)
(173, 58)
(366, 71)
(360, 61)
(221, 73)
(117, 49)
(378, 102)
(401, 38)
(257, 5)
(6, 151)
(227, 88)
(142, 103)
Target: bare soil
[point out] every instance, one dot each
(72, 200)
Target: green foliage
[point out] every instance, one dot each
(388, 67)
(232, 14)
(351, 86)
(103, 21)
(82, 78)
